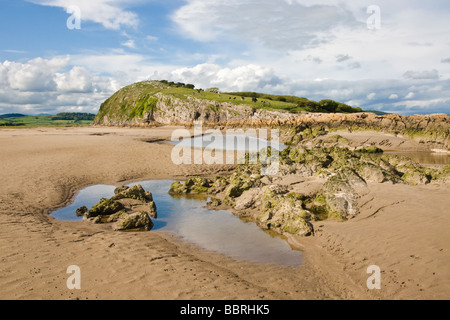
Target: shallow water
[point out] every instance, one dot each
(218, 231)
(229, 142)
(424, 157)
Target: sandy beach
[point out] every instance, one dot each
(402, 229)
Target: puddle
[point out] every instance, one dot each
(424, 157)
(229, 142)
(218, 231)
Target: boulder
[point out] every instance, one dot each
(415, 177)
(121, 189)
(196, 185)
(152, 210)
(104, 208)
(248, 199)
(213, 203)
(284, 213)
(82, 211)
(117, 216)
(136, 192)
(371, 173)
(218, 185)
(340, 195)
(140, 220)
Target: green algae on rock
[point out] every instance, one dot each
(118, 210)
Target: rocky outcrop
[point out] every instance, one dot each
(340, 193)
(149, 103)
(273, 204)
(139, 220)
(120, 209)
(284, 212)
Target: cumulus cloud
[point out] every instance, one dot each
(410, 95)
(35, 75)
(422, 75)
(45, 85)
(371, 96)
(78, 79)
(248, 77)
(393, 96)
(109, 13)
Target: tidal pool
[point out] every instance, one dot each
(424, 157)
(229, 142)
(219, 231)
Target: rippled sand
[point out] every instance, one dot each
(402, 229)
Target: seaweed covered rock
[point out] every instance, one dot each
(136, 192)
(104, 208)
(248, 199)
(196, 185)
(213, 203)
(117, 216)
(121, 189)
(152, 210)
(340, 194)
(218, 185)
(370, 149)
(82, 211)
(124, 209)
(135, 221)
(240, 182)
(371, 173)
(284, 213)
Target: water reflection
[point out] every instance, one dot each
(218, 231)
(425, 158)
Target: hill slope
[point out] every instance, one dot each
(159, 102)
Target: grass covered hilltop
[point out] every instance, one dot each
(173, 103)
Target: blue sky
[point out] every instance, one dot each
(316, 49)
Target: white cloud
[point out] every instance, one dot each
(248, 77)
(129, 44)
(109, 13)
(420, 75)
(410, 95)
(274, 23)
(371, 96)
(35, 75)
(78, 79)
(44, 85)
(151, 38)
(393, 96)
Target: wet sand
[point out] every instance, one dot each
(402, 229)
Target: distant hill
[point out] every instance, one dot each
(61, 119)
(74, 116)
(378, 113)
(12, 115)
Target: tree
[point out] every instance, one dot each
(213, 90)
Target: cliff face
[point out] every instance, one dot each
(151, 103)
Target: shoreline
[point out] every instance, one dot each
(56, 166)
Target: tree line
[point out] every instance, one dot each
(75, 116)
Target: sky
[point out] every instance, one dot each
(71, 55)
